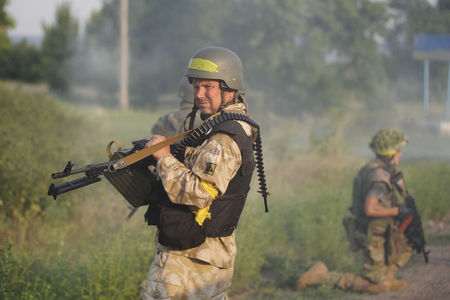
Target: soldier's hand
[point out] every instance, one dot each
(155, 140)
(404, 211)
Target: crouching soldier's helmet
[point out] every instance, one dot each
(186, 93)
(387, 142)
(219, 64)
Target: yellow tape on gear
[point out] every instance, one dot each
(210, 189)
(387, 152)
(201, 215)
(203, 65)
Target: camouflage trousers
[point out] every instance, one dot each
(179, 277)
(343, 281)
(386, 246)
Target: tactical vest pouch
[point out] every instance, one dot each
(355, 234)
(176, 223)
(225, 213)
(135, 182)
(357, 208)
(178, 229)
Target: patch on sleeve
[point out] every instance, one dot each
(214, 151)
(210, 168)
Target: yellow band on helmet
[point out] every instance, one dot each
(203, 65)
(387, 152)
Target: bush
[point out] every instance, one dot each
(26, 63)
(428, 182)
(34, 134)
(112, 267)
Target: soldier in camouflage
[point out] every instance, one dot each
(203, 179)
(375, 228)
(184, 118)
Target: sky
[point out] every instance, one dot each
(29, 14)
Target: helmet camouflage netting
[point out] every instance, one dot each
(388, 141)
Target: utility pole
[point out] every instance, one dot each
(124, 64)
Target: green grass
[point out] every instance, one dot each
(84, 248)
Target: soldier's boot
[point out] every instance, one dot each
(361, 285)
(314, 276)
(391, 283)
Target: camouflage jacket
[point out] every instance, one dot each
(194, 183)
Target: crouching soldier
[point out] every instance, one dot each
(375, 227)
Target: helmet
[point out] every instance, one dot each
(217, 63)
(186, 92)
(388, 141)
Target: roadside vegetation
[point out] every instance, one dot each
(82, 246)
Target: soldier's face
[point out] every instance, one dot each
(396, 158)
(207, 95)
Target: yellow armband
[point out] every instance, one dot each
(210, 189)
(202, 214)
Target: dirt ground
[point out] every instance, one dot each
(425, 281)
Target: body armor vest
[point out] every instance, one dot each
(176, 222)
(372, 172)
(356, 227)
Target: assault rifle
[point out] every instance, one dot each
(128, 170)
(411, 227)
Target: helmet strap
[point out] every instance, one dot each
(222, 95)
(223, 87)
(191, 116)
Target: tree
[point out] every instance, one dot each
(163, 35)
(303, 53)
(58, 47)
(312, 53)
(6, 22)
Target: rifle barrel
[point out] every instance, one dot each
(55, 190)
